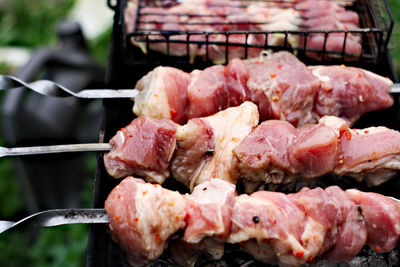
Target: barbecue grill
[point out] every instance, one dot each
(376, 24)
(128, 63)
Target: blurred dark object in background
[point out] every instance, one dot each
(29, 119)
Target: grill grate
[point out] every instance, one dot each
(376, 24)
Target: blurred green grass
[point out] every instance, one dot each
(33, 24)
(57, 246)
(394, 45)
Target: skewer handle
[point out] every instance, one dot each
(395, 88)
(49, 88)
(57, 217)
(34, 150)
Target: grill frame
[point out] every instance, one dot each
(376, 21)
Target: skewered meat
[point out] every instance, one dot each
(207, 92)
(273, 152)
(303, 226)
(204, 16)
(209, 211)
(284, 85)
(191, 165)
(276, 152)
(371, 154)
(209, 200)
(348, 92)
(281, 86)
(164, 94)
(142, 217)
(374, 206)
(291, 229)
(144, 147)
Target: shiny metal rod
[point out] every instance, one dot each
(49, 88)
(35, 150)
(58, 217)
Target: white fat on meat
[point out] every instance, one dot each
(143, 217)
(211, 199)
(163, 94)
(152, 101)
(335, 123)
(214, 198)
(371, 154)
(276, 230)
(224, 130)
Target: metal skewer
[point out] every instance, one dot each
(395, 88)
(58, 217)
(49, 88)
(34, 150)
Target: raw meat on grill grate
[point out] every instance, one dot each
(338, 19)
(293, 229)
(198, 28)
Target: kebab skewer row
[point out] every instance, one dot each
(307, 226)
(291, 229)
(229, 145)
(281, 86)
(273, 152)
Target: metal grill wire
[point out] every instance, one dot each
(376, 24)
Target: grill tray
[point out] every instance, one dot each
(103, 252)
(376, 24)
(127, 64)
